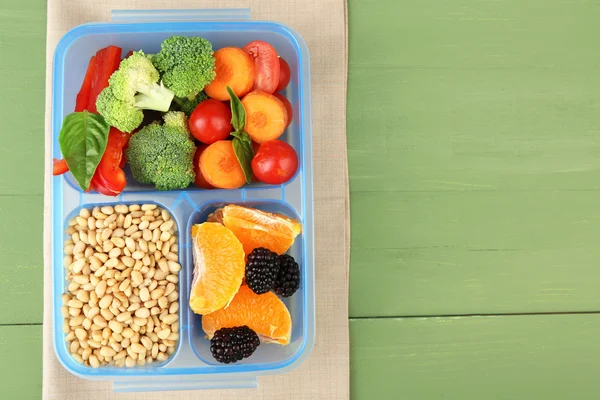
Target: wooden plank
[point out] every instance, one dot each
(501, 358)
(473, 154)
(473, 95)
(22, 79)
(451, 253)
(21, 366)
(21, 264)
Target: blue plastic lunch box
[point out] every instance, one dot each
(191, 366)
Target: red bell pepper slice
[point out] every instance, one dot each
(83, 97)
(109, 179)
(107, 61)
(59, 167)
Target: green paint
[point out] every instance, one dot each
(474, 156)
(475, 358)
(21, 362)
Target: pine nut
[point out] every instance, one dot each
(170, 288)
(155, 224)
(163, 334)
(86, 353)
(137, 278)
(165, 249)
(112, 262)
(163, 302)
(142, 313)
(174, 267)
(100, 321)
(107, 210)
(76, 321)
(114, 253)
(75, 303)
(171, 256)
(77, 358)
(121, 208)
(124, 285)
(144, 294)
(138, 348)
(106, 314)
(170, 318)
(173, 296)
(166, 225)
(107, 351)
(156, 237)
(74, 311)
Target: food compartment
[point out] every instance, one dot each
(267, 356)
(73, 224)
(76, 48)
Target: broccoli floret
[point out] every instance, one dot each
(132, 88)
(186, 105)
(163, 154)
(186, 64)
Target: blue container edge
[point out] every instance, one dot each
(306, 144)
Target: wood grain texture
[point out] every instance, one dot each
(475, 358)
(21, 264)
(474, 156)
(22, 78)
(21, 367)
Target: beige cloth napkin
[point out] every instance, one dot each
(322, 23)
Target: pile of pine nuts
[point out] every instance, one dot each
(122, 301)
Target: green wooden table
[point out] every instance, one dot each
(474, 151)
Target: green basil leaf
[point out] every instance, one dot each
(238, 112)
(243, 136)
(83, 139)
(244, 153)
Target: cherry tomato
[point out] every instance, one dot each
(288, 107)
(275, 162)
(211, 121)
(284, 74)
(255, 147)
(200, 180)
(267, 65)
(59, 167)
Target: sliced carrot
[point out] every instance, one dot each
(266, 116)
(234, 68)
(200, 180)
(220, 167)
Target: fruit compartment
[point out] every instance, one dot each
(76, 48)
(267, 356)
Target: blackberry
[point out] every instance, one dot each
(261, 270)
(288, 278)
(229, 345)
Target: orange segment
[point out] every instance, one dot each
(256, 228)
(218, 267)
(265, 314)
